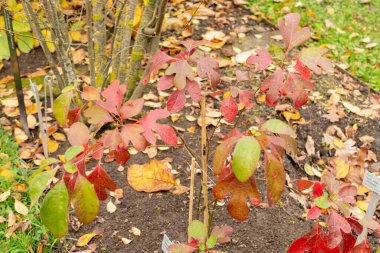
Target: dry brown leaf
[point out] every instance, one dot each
(111, 208)
(19, 135)
(32, 121)
(136, 231)
(151, 177)
(310, 149)
(5, 195)
(21, 208)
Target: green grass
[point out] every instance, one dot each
(28, 240)
(352, 22)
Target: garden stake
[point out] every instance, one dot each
(40, 119)
(191, 204)
(16, 71)
(204, 162)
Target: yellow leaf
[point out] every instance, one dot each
(85, 239)
(338, 142)
(19, 135)
(138, 15)
(52, 145)
(291, 115)
(363, 205)
(59, 137)
(341, 167)
(362, 190)
(226, 94)
(261, 99)
(151, 177)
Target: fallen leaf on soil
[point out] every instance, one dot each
(341, 167)
(310, 149)
(111, 208)
(136, 231)
(20, 135)
(126, 241)
(85, 239)
(151, 177)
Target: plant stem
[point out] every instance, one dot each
(16, 71)
(90, 52)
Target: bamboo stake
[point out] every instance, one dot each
(90, 52)
(16, 71)
(191, 204)
(40, 119)
(204, 161)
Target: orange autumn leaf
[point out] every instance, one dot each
(151, 177)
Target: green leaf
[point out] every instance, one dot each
(278, 127)
(211, 242)
(85, 200)
(67, 89)
(54, 210)
(72, 152)
(4, 47)
(46, 162)
(69, 167)
(25, 42)
(21, 26)
(38, 184)
(322, 201)
(61, 108)
(245, 158)
(197, 230)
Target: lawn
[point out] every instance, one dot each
(29, 234)
(349, 28)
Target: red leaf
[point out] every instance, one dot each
(222, 233)
(337, 224)
(166, 132)
(131, 108)
(318, 190)
(272, 85)
(73, 115)
(133, 133)
(229, 109)
(355, 225)
(242, 76)
(113, 95)
(237, 205)
(176, 101)
(363, 247)
(296, 87)
(78, 134)
(190, 45)
(313, 58)
(314, 213)
(245, 97)
(157, 61)
(347, 243)
(165, 82)
(112, 139)
(263, 59)
(224, 149)
(194, 90)
(289, 31)
(304, 184)
(347, 193)
(209, 67)
(121, 155)
(275, 175)
(315, 241)
(101, 181)
(182, 71)
(302, 70)
(97, 115)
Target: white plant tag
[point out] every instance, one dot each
(165, 244)
(371, 181)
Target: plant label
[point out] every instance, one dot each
(165, 244)
(371, 181)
